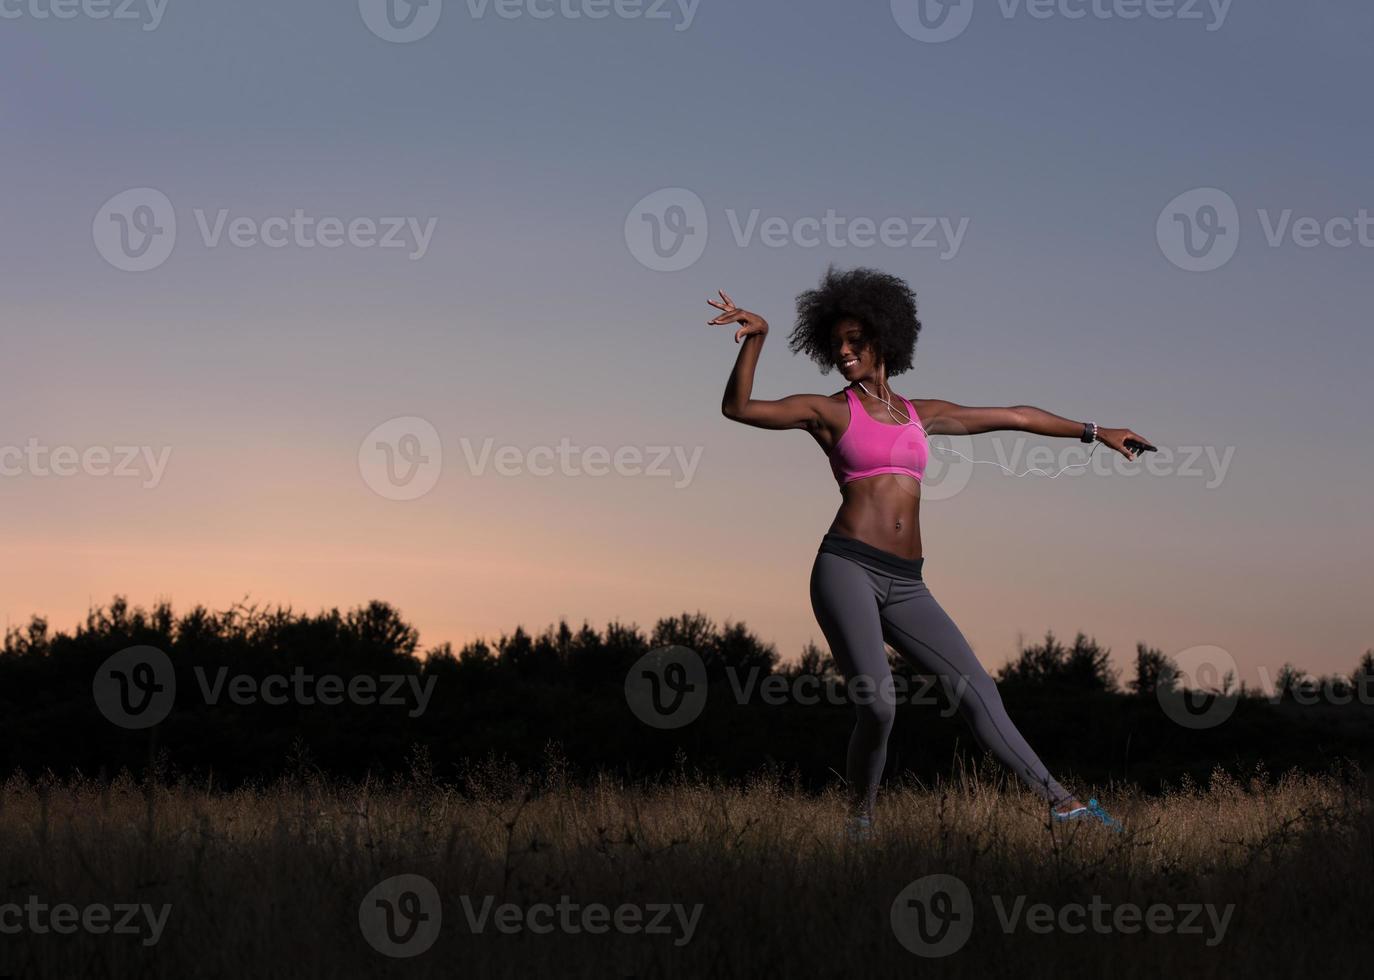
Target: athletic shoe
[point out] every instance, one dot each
(858, 829)
(1093, 811)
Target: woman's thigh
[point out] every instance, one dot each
(923, 634)
(845, 598)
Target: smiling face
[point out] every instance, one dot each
(852, 354)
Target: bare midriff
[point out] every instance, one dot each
(883, 511)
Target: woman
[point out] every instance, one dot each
(866, 585)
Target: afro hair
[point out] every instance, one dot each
(883, 305)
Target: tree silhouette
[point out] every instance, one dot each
(515, 695)
(1084, 666)
(1363, 678)
(1151, 668)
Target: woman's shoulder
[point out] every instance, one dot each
(917, 406)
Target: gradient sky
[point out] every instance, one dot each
(530, 319)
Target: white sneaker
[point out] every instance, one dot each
(858, 829)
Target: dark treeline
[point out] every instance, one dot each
(524, 695)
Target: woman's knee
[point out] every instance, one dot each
(974, 694)
(875, 704)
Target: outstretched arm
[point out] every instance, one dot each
(942, 417)
(792, 412)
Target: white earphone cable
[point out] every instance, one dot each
(908, 420)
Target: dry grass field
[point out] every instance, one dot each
(1257, 877)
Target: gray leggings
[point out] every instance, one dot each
(863, 596)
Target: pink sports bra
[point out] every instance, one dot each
(869, 447)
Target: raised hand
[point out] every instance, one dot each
(752, 322)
